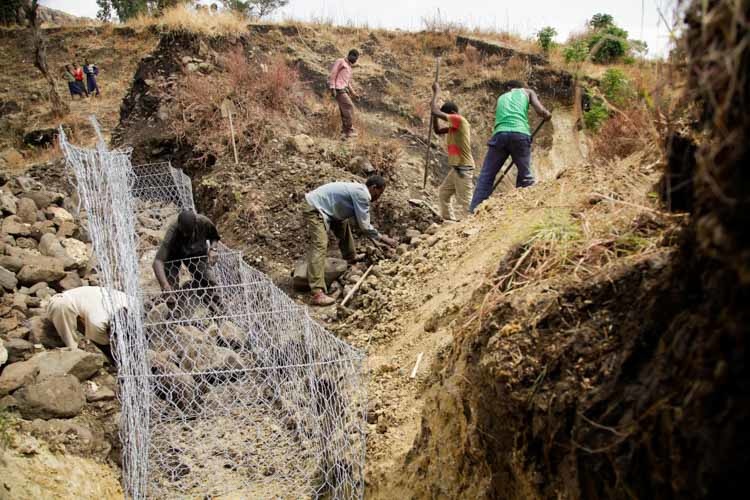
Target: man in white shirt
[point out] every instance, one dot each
(90, 304)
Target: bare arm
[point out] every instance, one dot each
(438, 129)
(537, 104)
(161, 276)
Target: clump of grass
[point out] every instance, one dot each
(6, 422)
(182, 18)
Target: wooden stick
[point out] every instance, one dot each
(429, 132)
(356, 286)
(234, 145)
(416, 365)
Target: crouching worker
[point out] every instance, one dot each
(90, 305)
(190, 241)
(329, 207)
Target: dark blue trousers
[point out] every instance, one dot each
(499, 147)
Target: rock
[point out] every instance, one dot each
(19, 302)
(8, 403)
(11, 158)
(44, 198)
(176, 388)
(402, 249)
(202, 49)
(334, 269)
(8, 279)
(14, 226)
(191, 67)
(43, 332)
(39, 229)
(28, 243)
(18, 350)
(212, 362)
(95, 392)
(44, 292)
(40, 137)
(66, 230)
(12, 264)
(4, 354)
(58, 215)
(51, 397)
(18, 333)
(8, 203)
(24, 183)
(77, 251)
(411, 233)
(301, 143)
(205, 67)
(362, 166)
(230, 335)
(70, 281)
(27, 210)
(433, 228)
(81, 364)
(50, 246)
(8, 324)
(38, 269)
(17, 375)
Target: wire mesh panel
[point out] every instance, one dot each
(229, 389)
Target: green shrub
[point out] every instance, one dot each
(616, 87)
(596, 115)
(608, 44)
(576, 51)
(545, 37)
(599, 21)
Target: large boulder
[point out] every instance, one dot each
(39, 229)
(44, 199)
(53, 397)
(70, 281)
(38, 269)
(301, 143)
(27, 210)
(81, 364)
(11, 263)
(8, 279)
(230, 335)
(14, 226)
(42, 331)
(334, 269)
(18, 349)
(8, 203)
(17, 375)
(177, 389)
(58, 214)
(77, 251)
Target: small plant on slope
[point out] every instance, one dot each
(546, 38)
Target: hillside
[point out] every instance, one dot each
(573, 339)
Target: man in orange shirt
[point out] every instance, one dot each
(458, 182)
(339, 82)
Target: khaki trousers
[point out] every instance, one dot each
(317, 245)
(456, 184)
(346, 107)
(65, 320)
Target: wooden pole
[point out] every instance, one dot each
(234, 144)
(429, 132)
(356, 286)
(416, 365)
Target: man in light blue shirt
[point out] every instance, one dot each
(330, 207)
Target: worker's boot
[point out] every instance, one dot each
(319, 298)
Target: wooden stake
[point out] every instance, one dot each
(234, 144)
(429, 132)
(356, 286)
(416, 365)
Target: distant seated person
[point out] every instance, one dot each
(91, 305)
(189, 241)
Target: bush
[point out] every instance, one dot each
(545, 38)
(599, 21)
(616, 87)
(596, 115)
(609, 44)
(576, 51)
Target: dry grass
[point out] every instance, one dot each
(184, 18)
(265, 94)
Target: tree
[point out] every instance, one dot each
(125, 9)
(608, 44)
(254, 8)
(9, 12)
(546, 38)
(59, 108)
(599, 21)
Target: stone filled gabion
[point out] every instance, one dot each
(227, 386)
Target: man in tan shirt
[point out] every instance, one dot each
(90, 304)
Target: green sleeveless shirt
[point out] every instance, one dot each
(512, 113)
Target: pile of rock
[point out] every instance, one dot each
(43, 250)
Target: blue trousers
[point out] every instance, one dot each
(499, 147)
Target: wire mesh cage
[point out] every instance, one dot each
(228, 387)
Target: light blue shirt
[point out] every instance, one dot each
(343, 200)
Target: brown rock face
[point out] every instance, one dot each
(38, 269)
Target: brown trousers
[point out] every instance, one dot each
(317, 245)
(346, 107)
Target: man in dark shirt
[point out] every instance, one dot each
(192, 237)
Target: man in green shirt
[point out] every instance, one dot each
(512, 137)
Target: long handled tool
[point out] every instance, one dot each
(507, 169)
(429, 132)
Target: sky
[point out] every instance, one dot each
(639, 17)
